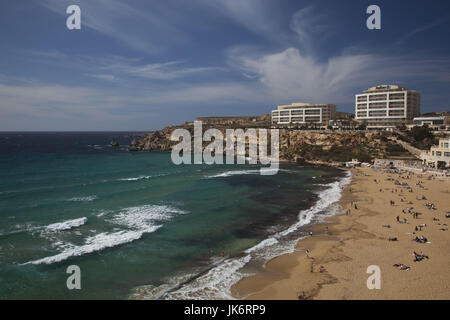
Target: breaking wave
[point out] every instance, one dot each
(66, 225)
(136, 220)
(243, 172)
(83, 199)
(96, 243)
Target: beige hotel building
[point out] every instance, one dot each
(386, 106)
(303, 114)
(438, 156)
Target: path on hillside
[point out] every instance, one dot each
(410, 148)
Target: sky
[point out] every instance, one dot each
(140, 65)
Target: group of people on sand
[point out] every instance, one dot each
(419, 257)
(410, 210)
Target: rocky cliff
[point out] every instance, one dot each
(296, 145)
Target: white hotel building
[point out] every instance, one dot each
(303, 114)
(386, 106)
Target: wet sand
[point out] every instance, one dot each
(359, 240)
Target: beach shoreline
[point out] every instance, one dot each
(345, 245)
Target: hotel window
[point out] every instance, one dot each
(438, 153)
(447, 154)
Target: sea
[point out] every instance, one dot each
(140, 227)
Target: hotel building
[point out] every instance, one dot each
(386, 106)
(303, 114)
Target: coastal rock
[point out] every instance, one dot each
(295, 145)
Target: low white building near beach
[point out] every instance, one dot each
(438, 156)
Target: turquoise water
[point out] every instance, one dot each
(136, 225)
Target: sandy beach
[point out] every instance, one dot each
(332, 264)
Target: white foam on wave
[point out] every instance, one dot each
(66, 225)
(83, 199)
(265, 243)
(96, 243)
(18, 228)
(154, 292)
(244, 172)
(142, 177)
(233, 173)
(141, 217)
(215, 284)
(136, 220)
(136, 178)
(326, 198)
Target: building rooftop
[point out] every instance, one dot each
(386, 88)
(303, 105)
(430, 118)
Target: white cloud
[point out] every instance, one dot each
(290, 75)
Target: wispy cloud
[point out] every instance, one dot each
(101, 76)
(114, 68)
(262, 17)
(137, 28)
(310, 27)
(424, 28)
(161, 71)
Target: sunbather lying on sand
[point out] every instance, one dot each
(422, 239)
(401, 267)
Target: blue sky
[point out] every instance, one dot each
(141, 65)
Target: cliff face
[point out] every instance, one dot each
(332, 146)
(295, 145)
(155, 141)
